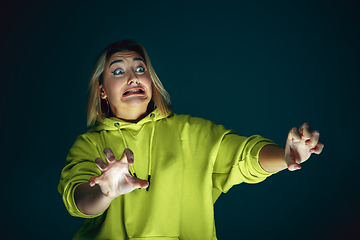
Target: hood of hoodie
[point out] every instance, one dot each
(113, 123)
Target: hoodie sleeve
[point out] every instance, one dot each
(80, 166)
(237, 161)
(234, 158)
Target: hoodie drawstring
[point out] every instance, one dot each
(131, 167)
(152, 116)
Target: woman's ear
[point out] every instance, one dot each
(102, 91)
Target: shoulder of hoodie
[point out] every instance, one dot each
(188, 119)
(194, 122)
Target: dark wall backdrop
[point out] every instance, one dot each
(258, 67)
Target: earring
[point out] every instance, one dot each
(107, 103)
(96, 106)
(108, 106)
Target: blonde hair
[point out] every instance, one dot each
(160, 96)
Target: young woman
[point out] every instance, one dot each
(143, 172)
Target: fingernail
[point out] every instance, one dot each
(295, 168)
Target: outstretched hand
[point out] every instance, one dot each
(300, 144)
(115, 178)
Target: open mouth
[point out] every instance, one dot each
(134, 91)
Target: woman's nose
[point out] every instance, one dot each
(133, 79)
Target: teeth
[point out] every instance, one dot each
(133, 91)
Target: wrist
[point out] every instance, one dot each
(272, 158)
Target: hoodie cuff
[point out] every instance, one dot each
(255, 157)
(71, 205)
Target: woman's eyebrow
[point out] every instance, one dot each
(139, 59)
(115, 62)
(135, 59)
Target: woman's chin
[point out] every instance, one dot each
(137, 103)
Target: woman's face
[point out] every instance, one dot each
(127, 85)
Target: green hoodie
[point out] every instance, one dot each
(190, 160)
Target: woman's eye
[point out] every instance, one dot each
(140, 69)
(118, 71)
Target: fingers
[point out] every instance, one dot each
(311, 138)
(109, 155)
(127, 156)
(300, 144)
(100, 164)
(294, 135)
(318, 148)
(304, 131)
(314, 139)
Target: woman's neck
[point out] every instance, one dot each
(133, 116)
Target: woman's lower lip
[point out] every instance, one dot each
(132, 94)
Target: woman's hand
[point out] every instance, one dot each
(300, 144)
(115, 178)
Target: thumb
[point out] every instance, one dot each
(292, 165)
(142, 183)
(290, 157)
(136, 182)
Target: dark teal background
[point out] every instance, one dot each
(258, 67)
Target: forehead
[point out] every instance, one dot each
(125, 56)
